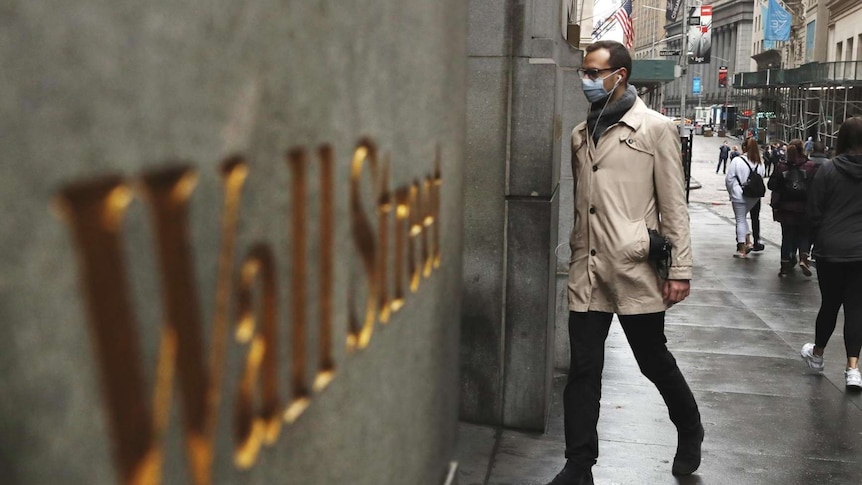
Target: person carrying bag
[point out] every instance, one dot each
(745, 187)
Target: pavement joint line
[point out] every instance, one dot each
(492, 460)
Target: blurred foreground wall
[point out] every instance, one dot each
(187, 293)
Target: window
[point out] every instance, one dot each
(809, 41)
(849, 49)
(859, 49)
(839, 52)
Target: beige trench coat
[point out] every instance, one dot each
(633, 180)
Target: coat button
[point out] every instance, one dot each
(630, 141)
(595, 167)
(592, 210)
(592, 252)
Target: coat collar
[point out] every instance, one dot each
(633, 118)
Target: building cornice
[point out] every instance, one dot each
(838, 8)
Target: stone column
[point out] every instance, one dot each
(515, 144)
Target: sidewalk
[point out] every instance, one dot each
(737, 339)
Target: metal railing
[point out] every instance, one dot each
(814, 74)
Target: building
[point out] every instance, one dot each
(649, 39)
(732, 32)
(809, 84)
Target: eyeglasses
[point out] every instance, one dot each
(594, 73)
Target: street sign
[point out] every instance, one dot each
(669, 52)
(695, 85)
(694, 21)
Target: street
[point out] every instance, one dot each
(737, 337)
(713, 195)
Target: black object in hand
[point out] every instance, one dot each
(660, 249)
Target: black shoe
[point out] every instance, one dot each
(758, 247)
(688, 449)
(573, 475)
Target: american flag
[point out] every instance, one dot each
(623, 16)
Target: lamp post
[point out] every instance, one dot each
(683, 63)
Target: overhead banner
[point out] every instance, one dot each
(672, 11)
(700, 36)
(776, 22)
(722, 76)
(612, 20)
(695, 85)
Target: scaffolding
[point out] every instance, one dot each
(812, 100)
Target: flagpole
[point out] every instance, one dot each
(683, 63)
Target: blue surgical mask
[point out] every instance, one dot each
(594, 89)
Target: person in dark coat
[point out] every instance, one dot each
(835, 211)
(818, 155)
(723, 153)
(788, 209)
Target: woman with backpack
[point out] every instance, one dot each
(744, 182)
(789, 185)
(835, 211)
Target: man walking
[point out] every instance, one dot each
(723, 152)
(628, 177)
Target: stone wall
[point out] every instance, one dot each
(519, 116)
(118, 120)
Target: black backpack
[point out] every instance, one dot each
(795, 186)
(754, 186)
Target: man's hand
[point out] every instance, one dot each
(675, 291)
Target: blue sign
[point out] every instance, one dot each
(695, 85)
(776, 22)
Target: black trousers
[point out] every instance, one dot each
(645, 333)
(840, 284)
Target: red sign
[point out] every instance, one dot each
(722, 76)
(746, 112)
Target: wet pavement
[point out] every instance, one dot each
(768, 419)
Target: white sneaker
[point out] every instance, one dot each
(853, 379)
(814, 361)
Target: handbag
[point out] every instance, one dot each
(660, 249)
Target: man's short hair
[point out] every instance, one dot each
(619, 55)
(849, 136)
(819, 147)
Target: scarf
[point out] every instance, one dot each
(612, 113)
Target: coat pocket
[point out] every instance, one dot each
(633, 241)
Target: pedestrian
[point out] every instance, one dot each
(623, 190)
(723, 152)
(768, 159)
(734, 152)
(835, 211)
(818, 154)
(818, 158)
(745, 187)
(789, 186)
(808, 147)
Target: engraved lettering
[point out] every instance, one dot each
(415, 229)
(95, 212)
(297, 160)
(261, 365)
(359, 334)
(384, 207)
(402, 213)
(326, 366)
(437, 186)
